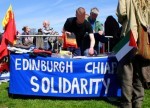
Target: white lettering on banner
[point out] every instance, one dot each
(74, 86)
(84, 83)
(100, 67)
(36, 89)
(60, 86)
(35, 66)
(25, 64)
(64, 66)
(17, 64)
(52, 86)
(66, 85)
(106, 85)
(44, 66)
(96, 85)
(45, 85)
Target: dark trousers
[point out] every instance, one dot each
(129, 72)
(75, 51)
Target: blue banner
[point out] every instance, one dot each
(59, 77)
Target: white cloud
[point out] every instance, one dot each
(27, 10)
(58, 2)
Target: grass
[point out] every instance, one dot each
(21, 102)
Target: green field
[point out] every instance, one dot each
(20, 102)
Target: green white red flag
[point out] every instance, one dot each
(124, 46)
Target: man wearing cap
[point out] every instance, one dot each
(97, 28)
(97, 25)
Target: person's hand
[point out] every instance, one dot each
(68, 33)
(91, 51)
(100, 32)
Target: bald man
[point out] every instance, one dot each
(47, 30)
(80, 27)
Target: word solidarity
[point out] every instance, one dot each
(58, 77)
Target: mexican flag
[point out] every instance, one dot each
(124, 46)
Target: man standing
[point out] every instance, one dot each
(97, 28)
(79, 26)
(134, 16)
(48, 31)
(96, 25)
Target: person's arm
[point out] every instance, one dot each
(65, 33)
(92, 43)
(67, 27)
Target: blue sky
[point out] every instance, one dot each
(33, 12)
